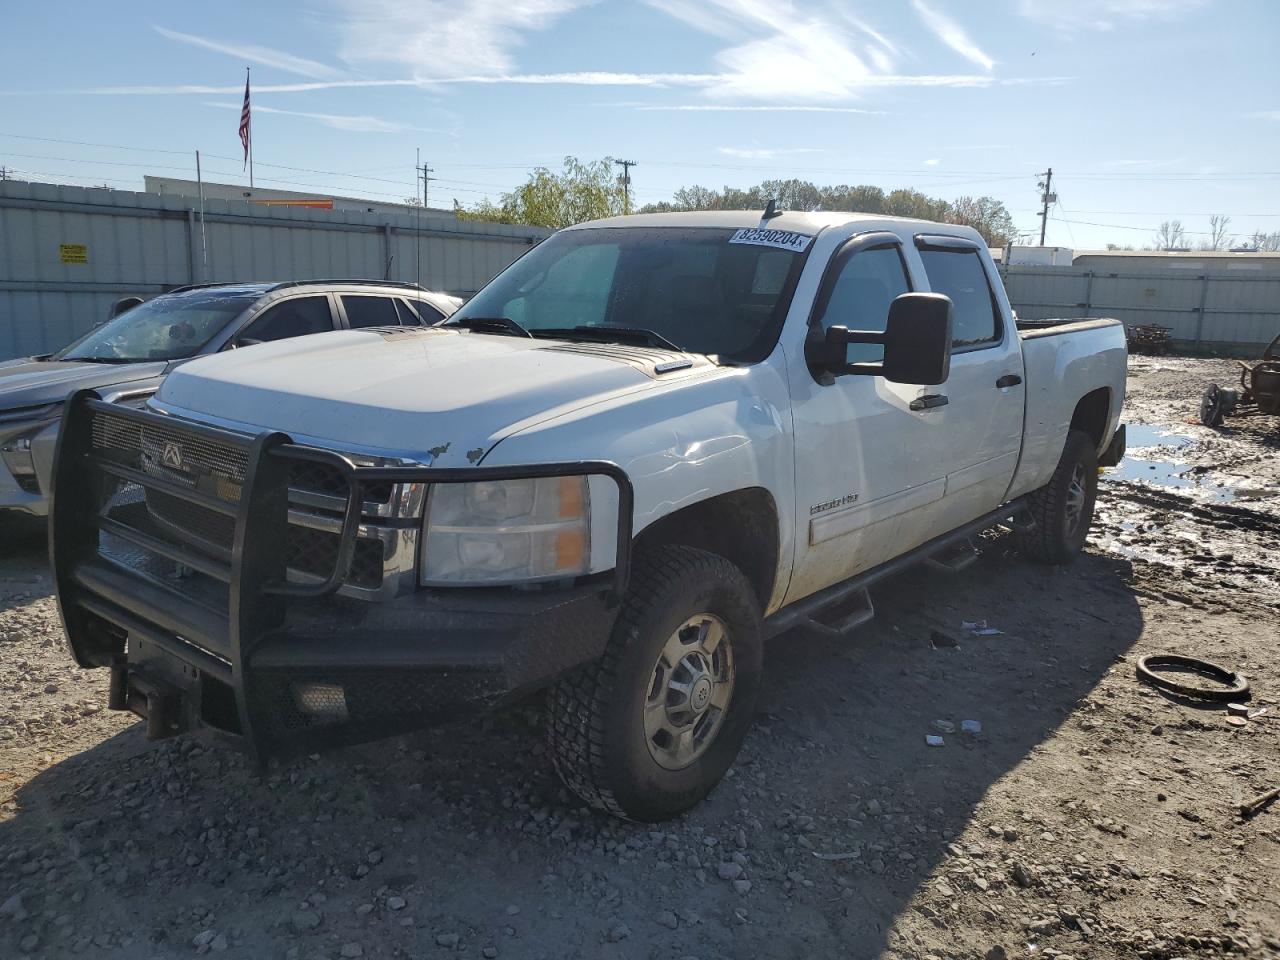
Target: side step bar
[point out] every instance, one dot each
(964, 555)
(848, 595)
(841, 619)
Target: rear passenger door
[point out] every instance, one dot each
(981, 423)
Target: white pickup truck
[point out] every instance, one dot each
(649, 444)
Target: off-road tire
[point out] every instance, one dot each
(1053, 539)
(594, 716)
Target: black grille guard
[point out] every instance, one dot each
(219, 637)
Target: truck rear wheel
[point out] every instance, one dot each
(1063, 507)
(647, 731)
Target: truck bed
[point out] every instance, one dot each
(1028, 329)
(1064, 360)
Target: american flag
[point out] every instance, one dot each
(244, 119)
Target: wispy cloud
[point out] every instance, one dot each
(781, 52)
(1103, 14)
(1167, 162)
(952, 34)
(750, 108)
(764, 153)
(433, 38)
(1265, 115)
(352, 123)
(933, 163)
(266, 56)
(713, 82)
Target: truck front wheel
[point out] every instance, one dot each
(646, 731)
(1063, 507)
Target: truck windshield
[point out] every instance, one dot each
(170, 327)
(706, 290)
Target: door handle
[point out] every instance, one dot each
(1008, 380)
(929, 401)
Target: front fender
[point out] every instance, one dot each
(680, 444)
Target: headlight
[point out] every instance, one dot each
(507, 531)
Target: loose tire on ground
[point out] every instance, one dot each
(604, 740)
(1063, 507)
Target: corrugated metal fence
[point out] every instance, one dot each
(1226, 313)
(68, 253)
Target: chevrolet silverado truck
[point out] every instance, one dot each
(648, 445)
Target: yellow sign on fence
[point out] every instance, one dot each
(73, 252)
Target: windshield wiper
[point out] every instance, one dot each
(99, 360)
(490, 325)
(611, 335)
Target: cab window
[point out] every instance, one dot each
(959, 274)
(860, 296)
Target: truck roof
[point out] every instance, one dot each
(794, 220)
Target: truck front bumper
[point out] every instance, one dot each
(222, 642)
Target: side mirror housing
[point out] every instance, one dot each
(916, 341)
(124, 305)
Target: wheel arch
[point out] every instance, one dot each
(741, 526)
(1092, 414)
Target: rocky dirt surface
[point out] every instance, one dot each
(1090, 817)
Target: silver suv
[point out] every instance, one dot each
(129, 355)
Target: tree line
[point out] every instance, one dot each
(1171, 235)
(588, 190)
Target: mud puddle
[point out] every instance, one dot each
(1153, 459)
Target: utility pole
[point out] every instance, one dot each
(426, 178)
(4, 174)
(625, 179)
(1047, 196)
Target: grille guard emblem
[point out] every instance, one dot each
(172, 456)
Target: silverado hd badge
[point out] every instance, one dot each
(783, 239)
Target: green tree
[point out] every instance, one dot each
(580, 191)
(987, 215)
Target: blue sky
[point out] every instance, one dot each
(1146, 109)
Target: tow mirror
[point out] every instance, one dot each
(916, 341)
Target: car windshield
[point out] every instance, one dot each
(170, 327)
(705, 290)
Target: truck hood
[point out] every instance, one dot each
(32, 382)
(435, 395)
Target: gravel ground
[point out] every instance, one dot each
(1090, 816)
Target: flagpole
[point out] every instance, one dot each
(246, 86)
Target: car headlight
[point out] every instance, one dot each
(497, 532)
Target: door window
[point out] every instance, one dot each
(860, 296)
(363, 311)
(959, 274)
(418, 313)
(293, 318)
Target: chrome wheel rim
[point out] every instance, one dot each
(1076, 496)
(689, 692)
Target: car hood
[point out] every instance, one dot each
(32, 382)
(435, 395)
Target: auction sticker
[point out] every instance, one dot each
(782, 239)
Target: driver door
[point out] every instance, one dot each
(868, 479)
